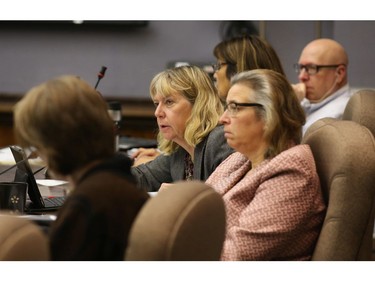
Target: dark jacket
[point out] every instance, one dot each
(208, 154)
(95, 220)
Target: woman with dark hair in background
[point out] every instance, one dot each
(239, 54)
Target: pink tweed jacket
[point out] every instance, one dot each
(274, 211)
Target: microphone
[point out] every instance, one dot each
(100, 75)
(15, 165)
(37, 171)
(11, 167)
(26, 159)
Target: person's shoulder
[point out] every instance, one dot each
(217, 139)
(237, 157)
(295, 161)
(218, 131)
(108, 185)
(300, 149)
(298, 155)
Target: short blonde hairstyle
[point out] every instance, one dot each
(196, 86)
(68, 120)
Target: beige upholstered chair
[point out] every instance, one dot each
(183, 223)
(21, 240)
(361, 108)
(344, 152)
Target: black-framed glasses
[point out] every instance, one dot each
(218, 65)
(312, 69)
(233, 107)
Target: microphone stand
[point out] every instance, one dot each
(100, 75)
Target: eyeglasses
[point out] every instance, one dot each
(218, 65)
(312, 69)
(234, 107)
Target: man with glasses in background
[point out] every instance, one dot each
(322, 71)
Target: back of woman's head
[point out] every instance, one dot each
(246, 53)
(195, 85)
(281, 111)
(68, 121)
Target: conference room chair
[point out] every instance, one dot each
(344, 152)
(183, 223)
(22, 240)
(361, 108)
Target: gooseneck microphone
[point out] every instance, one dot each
(100, 75)
(114, 111)
(11, 167)
(19, 162)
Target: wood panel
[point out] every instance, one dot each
(138, 118)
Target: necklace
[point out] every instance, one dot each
(189, 167)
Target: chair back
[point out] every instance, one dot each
(361, 108)
(344, 152)
(183, 223)
(22, 240)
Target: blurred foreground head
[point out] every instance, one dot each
(67, 122)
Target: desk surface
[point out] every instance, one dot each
(47, 187)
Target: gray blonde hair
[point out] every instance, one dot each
(281, 111)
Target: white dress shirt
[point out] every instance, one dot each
(333, 106)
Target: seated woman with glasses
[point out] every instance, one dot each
(240, 54)
(187, 110)
(270, 186)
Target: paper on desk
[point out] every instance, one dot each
(50, 182)
(6, 158)
(53, 187)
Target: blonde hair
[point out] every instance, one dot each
(68, 120)
(196, 86)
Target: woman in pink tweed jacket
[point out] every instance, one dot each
(272, 193)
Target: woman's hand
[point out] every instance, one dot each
(165, 186)
(144, 155)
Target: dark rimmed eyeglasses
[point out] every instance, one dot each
(312, 69)
(218, 65)
(233, 107)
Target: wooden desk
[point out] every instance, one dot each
(138, 118)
